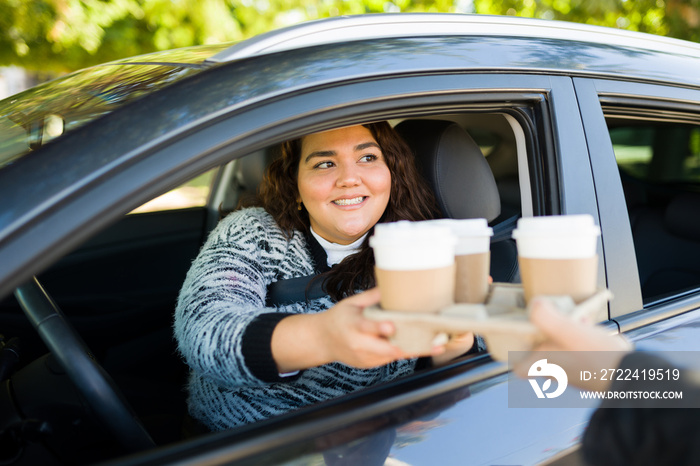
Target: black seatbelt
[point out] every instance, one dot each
(294, 290)
(504, 230)
(301, 289)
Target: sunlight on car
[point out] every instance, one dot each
(54, 126)
(194, 193)
(14, 141)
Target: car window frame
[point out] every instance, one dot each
(336, 106)
(631, 313)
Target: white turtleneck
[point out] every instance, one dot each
(337, 252)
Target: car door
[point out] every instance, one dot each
(641, 138)
(468, 420)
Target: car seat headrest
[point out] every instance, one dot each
(251, 169)
(454, 167)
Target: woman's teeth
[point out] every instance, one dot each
(353, 201)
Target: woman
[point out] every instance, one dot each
(316, 209)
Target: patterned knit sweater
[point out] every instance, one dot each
(223, 328)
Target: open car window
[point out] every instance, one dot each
(194, 193)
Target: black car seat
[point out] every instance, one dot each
(463, 182)
(250, 170)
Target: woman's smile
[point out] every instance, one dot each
(353, 201)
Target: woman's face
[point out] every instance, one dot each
(344, 182)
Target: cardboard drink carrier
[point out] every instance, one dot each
(503, 321)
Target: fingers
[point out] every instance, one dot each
(566, 335)
(365, 299)
(464, 337)
(380, 347)
(367, 351)
(369, 339)
(370, 298)
(381, 328)
(546, 317)
(558, 328)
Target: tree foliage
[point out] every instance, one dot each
(674, 18)
(63, 35)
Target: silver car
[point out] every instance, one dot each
(111, 178)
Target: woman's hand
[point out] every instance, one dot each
(355, 340)
(456, 346)
(339, 334)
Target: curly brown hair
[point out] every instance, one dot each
(410, 199)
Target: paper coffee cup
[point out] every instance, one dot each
(557, 255)
(414, 265)
(472, 258)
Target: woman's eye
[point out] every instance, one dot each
(326, 164)
(368, 158)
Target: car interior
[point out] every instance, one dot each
(119, 289)
(659, 163)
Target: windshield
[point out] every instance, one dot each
(34, 117)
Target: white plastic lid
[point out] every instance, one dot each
(408, 245)
(557, 236)
(473, 234)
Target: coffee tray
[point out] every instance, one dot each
(502, 321)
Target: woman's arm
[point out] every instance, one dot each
(340, 334)
(224, 292)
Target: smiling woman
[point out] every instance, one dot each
(251, 359)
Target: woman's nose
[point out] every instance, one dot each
(348, 175)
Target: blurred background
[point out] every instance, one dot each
(43, 39)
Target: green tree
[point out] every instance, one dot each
(57, 36)
(64, 35)
(674, 18)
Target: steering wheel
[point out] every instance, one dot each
(94, 384)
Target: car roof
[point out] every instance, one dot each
(391, 25)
